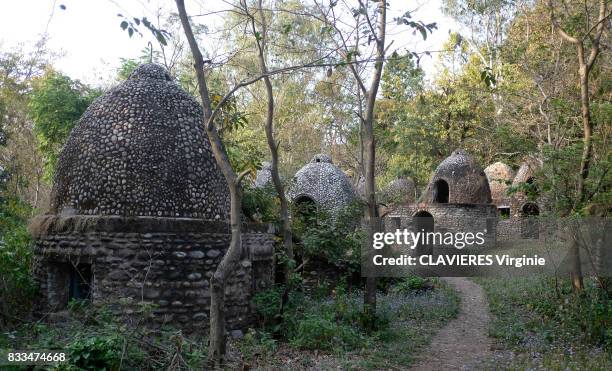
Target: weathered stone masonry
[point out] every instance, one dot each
(139, 213)
(163, 261)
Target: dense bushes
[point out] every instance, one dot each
(331, 239)
(16, 285)
(260, 204)
(336, 322)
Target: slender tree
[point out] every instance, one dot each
(261, 38)
(377, 31)
(585, 64)
(217, 340)
(216, 350)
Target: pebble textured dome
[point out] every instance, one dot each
(467, 183)
(400, 190)
(322, 182)
(527, 170)
(264, 175)
(141, 150)
(499, 176)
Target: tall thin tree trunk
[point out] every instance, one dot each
(272, 144)
(216, 347)
(370, 150)
(587, 127)
(575, 266)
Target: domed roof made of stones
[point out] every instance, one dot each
(499, 176)
(527, 170)
(264, 175)
(322, 182)
(467, 183)
(401, 190)
(141, 150)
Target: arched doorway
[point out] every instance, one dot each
(530, 209)
(424, 223)
(440, 191)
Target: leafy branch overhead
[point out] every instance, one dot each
(422, 27)
(131, 25)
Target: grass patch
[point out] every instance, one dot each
(541, 324)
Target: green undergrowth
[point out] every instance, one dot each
(324, 330)
(331, 332)
(540, 324)
(94, 339)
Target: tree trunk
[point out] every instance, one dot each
(217, 341)
(216, 351)
(587, 128)
(370, 151)
(576, 270)
(273, 145)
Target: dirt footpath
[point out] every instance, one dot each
(463, 343)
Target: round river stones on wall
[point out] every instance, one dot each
(500, 176)
(264, 175)
(141, 150)
(400, 190)
(458, 179)
(139, 214)
(323, 183)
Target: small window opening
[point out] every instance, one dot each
(504, 212)
(80, 282)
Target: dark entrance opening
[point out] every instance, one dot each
(424, 223)
(530, 209)
(80, 282)
(504, 212)
(440, 191)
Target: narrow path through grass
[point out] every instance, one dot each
(463, 343)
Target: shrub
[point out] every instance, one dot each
(261, 204)
(96, 353)
(267, 305)
(17, 288)
(409, 284)
(314, 332)
(333, 239)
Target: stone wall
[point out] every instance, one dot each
(449, 218)
(164, 261)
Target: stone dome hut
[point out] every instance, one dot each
(526, 174)
(139, 212)
(322, 183)
(400, 190)
(457, 199)
(458, 180)
(141, 150)
(500, 176)
(264, 175)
